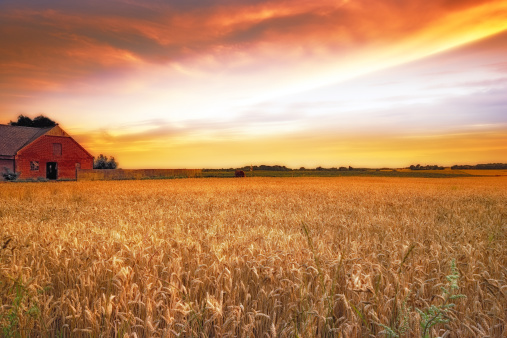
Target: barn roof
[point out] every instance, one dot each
(13, 138)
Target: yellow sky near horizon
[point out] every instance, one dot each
(316, 150)
(219, 84)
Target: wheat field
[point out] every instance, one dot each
(255, 257)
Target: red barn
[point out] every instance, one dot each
(41, 153)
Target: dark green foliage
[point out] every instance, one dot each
(40, 121)
(435, 315)
(9, 175)
(482, 166)
(431, 315)
(102, 162)
(21, 305)
(268, 167)
(425, 167)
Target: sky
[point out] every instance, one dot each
(229, 83)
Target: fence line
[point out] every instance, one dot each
(134, 174)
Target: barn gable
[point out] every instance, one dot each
(55, 132)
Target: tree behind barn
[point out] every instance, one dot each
(40, 121)
(102, 162)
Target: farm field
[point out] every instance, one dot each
(277, 257)
(494, 172)
(352, 173)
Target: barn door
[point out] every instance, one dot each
(51, 170)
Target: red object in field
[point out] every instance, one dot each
(239, 173)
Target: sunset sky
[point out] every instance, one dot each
(201, 83)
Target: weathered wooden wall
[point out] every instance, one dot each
(134, 174)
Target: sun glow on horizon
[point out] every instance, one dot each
(199, 85)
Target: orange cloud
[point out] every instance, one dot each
(63, 43)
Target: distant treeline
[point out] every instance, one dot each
(482, 166)
(284, 168)
(335, 169)
(255, 167)
(425, 167)
(349, 168)
(478, 166)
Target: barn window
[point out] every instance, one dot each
(57, 149)
(34, 165)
